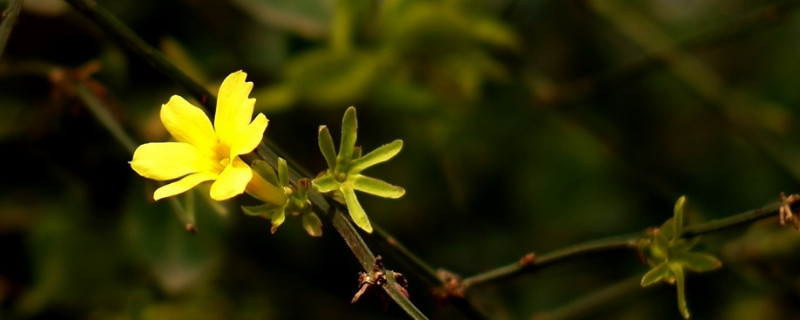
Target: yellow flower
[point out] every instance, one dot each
(200, 153)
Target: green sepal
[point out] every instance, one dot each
(356, 211)
(277, 219)
(325, 141)
(283, 173)
(325, 183)
(680, 280)
(348, 139)
(381, 154)
(312, 224)
(263, 169)
(678, 216)
(697, 262)
(266, 210)
(377, 187)
(655, 275)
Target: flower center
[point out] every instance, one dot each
(221, 155)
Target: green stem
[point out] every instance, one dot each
(155, 58)
(732, 221)
(615, 243)
(105, 118)
(9, 18)
(530, 264)
(604, 298)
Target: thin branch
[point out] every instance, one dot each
(9, 19)
(105, 118)
(600, 299)
(743, 218)
(750, 23)
(155, 58)
(533, 263)
(354, 241)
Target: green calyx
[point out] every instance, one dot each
(296, 204)
(344, 177)
(669, 256)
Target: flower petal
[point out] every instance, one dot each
(182, 185)
(234, 108)
(169, 160)
(187, 123)
(232, 181)
(249, 138)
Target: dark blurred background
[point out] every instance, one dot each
(528, 126)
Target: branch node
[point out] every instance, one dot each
(527, 260)
(785, 213)
(452, 286)
(377, 278)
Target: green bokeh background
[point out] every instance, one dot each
(527, 126)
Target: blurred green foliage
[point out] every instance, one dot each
(527, 126)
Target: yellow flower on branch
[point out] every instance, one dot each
(202, 152)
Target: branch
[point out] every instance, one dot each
(745, 25)
(9, 18)
(322, 204)
(597, 300)
(155, 58)
(531, 263)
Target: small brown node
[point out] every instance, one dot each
(785, 213)
(527, 260)
(452, 286)
(368, 281)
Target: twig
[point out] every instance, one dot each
(155, 58)
(354, 241)
(631, 241)
(599, 299)
(531, 263)
(9, 19)
(745, 25)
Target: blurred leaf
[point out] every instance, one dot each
(326, 78)
(178, 259)
(309, 18)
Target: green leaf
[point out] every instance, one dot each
(263, 169)
(312, 224)
(325, 183)
(379, 155)
(348, 139)
(681, 284)
(655, 275)
(698, 262)
(677, 228)
(356, 211)
(325, 142)
(377, 187)
(283, 173)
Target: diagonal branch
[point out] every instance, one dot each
(531, 263)
(9, 19)
(321, 203)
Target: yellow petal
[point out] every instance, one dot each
(232, 181)
(187, 123)
(234, 108)
(169, 160)
(182, 185)
(250, 137)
